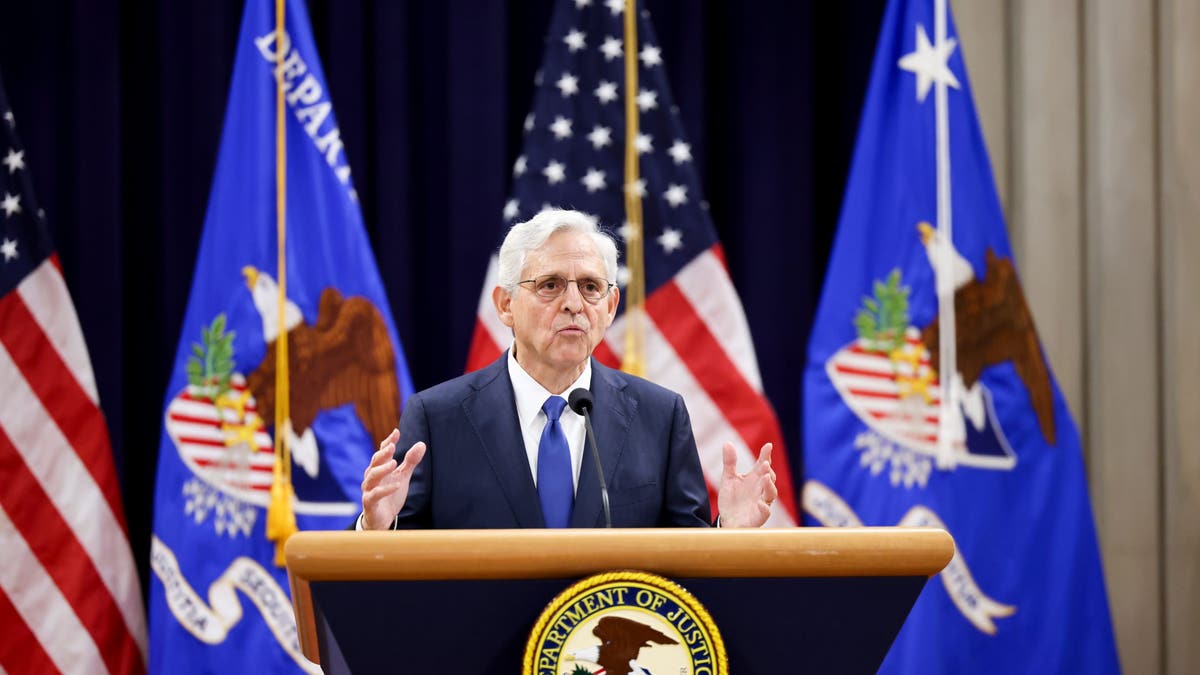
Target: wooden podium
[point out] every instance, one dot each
(464, 601)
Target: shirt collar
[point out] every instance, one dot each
(530, 395)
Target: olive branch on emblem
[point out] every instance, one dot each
(882, 320)
(210, 366)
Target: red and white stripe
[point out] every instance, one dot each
(195, 424)
(69, 595)
(208, 438)
(697, 344)
(867, 381)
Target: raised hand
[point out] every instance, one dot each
(385, 484)
(745, 499)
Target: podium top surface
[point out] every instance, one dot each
(677, 552)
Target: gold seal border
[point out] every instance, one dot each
(678, 593)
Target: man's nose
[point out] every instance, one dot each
(572, 298)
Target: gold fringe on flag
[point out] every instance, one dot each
(633, 360)
(281, 519)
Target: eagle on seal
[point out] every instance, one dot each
(346, 357)
(621, 640)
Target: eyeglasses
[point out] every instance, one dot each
(550, 286)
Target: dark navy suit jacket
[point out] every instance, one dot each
(475, 473)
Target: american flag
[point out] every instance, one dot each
(69, 596)
(697, 341)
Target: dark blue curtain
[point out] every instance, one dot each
(120, 107)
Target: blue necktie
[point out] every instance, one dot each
(555, 486)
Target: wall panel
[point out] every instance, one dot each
(1122, 319)
(1179, 53)
(1046, 216)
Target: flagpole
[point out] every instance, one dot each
(947, 352)
(281, 520)
(633, 360)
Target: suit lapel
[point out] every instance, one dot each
(611, 419)
(492, 412)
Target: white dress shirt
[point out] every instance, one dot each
(530, 397)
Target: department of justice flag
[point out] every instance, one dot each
(69, 594)
(218, 601)
(697, 341)
(928, 400)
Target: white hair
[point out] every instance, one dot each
(527, 237)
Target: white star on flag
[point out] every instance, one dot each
(600, 137)
(568, 84)
(561, 127)
(929, 63)
(9, 249)
(11, 204)
(647, 100)
(575, 40)
(611, 48)
(651, 56)
(670, 239)
(554, 172)
(14, 160)
(627, 231)
(676, 195)
(594, 180)
(12, 121)
(644, 143)
(606, 92)
(616, 6)
(510, 209)
(580, 4)
(637, 187)
(529, 122)
(680, 152)
(519, 166)
(623, 275)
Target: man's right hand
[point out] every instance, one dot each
(385, 485)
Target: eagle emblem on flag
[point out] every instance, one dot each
(219, 421)
(890, 376)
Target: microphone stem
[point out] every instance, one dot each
(587, 424)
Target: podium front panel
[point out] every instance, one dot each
(481, 626)
(465, 601)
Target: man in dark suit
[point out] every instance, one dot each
(503, 449)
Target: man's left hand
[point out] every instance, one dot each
(745, 499)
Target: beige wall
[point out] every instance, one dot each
(1090, 109)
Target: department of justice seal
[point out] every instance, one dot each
(625, 623)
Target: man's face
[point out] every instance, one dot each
(555, 337)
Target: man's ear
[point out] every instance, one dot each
(614, 300)
(502, 299)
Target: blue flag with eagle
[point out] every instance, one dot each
(218, 601)
(928, 399)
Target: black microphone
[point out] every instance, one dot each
(580, 401)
